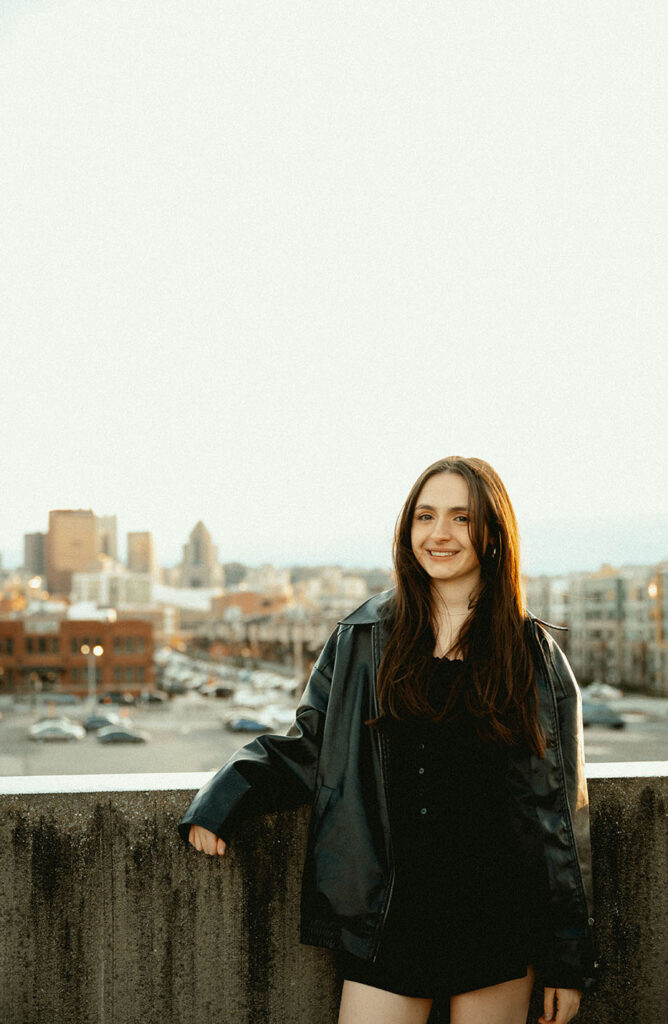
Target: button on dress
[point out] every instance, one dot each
(460, 912)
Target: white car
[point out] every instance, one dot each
(56, 729)
(602, 691)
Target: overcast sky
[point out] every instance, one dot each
(264, 262)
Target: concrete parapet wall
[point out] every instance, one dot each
(106, 917)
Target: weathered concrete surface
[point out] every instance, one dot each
(107, 917)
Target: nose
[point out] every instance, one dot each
(441, 528)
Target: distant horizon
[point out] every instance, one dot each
(549, 547)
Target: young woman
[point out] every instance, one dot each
(439, 741)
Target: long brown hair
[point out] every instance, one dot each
(498, 680)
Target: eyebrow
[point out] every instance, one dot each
(456, 508)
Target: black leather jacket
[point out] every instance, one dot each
(330, 758)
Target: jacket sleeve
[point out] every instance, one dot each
(272, 771)
(572, 959)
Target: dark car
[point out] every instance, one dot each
(116, 697)
(217, 690)
(247, 725)
(152, 697)
(122, 734)
(599, 713)
(98, 721)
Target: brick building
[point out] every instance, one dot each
(46, 656)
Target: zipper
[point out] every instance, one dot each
(381, 744)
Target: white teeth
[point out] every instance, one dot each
(442, 554)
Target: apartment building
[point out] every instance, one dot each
(617, 621)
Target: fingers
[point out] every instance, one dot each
(560, 1005)
(206, 842)
(548, 1006)
(568, 1004)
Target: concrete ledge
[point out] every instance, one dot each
(146, 782)
(106, 917)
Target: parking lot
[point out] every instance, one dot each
(188, 735)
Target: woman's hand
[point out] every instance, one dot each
(205, 841)
(560, 1005)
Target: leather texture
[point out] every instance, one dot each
(330, 759)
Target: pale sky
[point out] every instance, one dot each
(263, 262)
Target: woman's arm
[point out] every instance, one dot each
(272, 771)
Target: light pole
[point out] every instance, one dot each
(92, 654)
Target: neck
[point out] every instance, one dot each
(452, 599)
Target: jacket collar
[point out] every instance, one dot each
(371, 611)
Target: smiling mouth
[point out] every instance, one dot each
(443, 554)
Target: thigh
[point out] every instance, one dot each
(376, 1006)
(507, 1003)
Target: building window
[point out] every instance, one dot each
(141, 645)
(128, 674)
(55, 645)
(75, 675)
(117, 676)
(142, 674)
(41, 645)
(129, 644)
(117, 645)
(29, 644)
(74, 646)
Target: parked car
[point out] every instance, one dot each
(122, 734)
(152, 697)
(116, 697)
(98, 721)
(217, 690)
(56, 729)
(247, 725)
(599, 713)
(602, 691)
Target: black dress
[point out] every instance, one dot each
(461, 911)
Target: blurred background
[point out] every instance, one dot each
(261, 265)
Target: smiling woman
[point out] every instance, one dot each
(439, 742)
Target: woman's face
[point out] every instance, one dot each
(440, 530)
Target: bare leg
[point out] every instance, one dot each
(363, 1004)
(507, 1003)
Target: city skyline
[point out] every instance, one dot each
(548, 548)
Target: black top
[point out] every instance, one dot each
(449, 808)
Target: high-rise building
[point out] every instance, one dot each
(200, 566)
(107, 536)
(141, 554)
(71, 544)
(34, 553)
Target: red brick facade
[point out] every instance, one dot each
(52, 661)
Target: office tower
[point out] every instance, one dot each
(141, 555)
(71, 545)
(199, 567)
(107, 536)
(34, 553)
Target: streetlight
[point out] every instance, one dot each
(92, 655)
